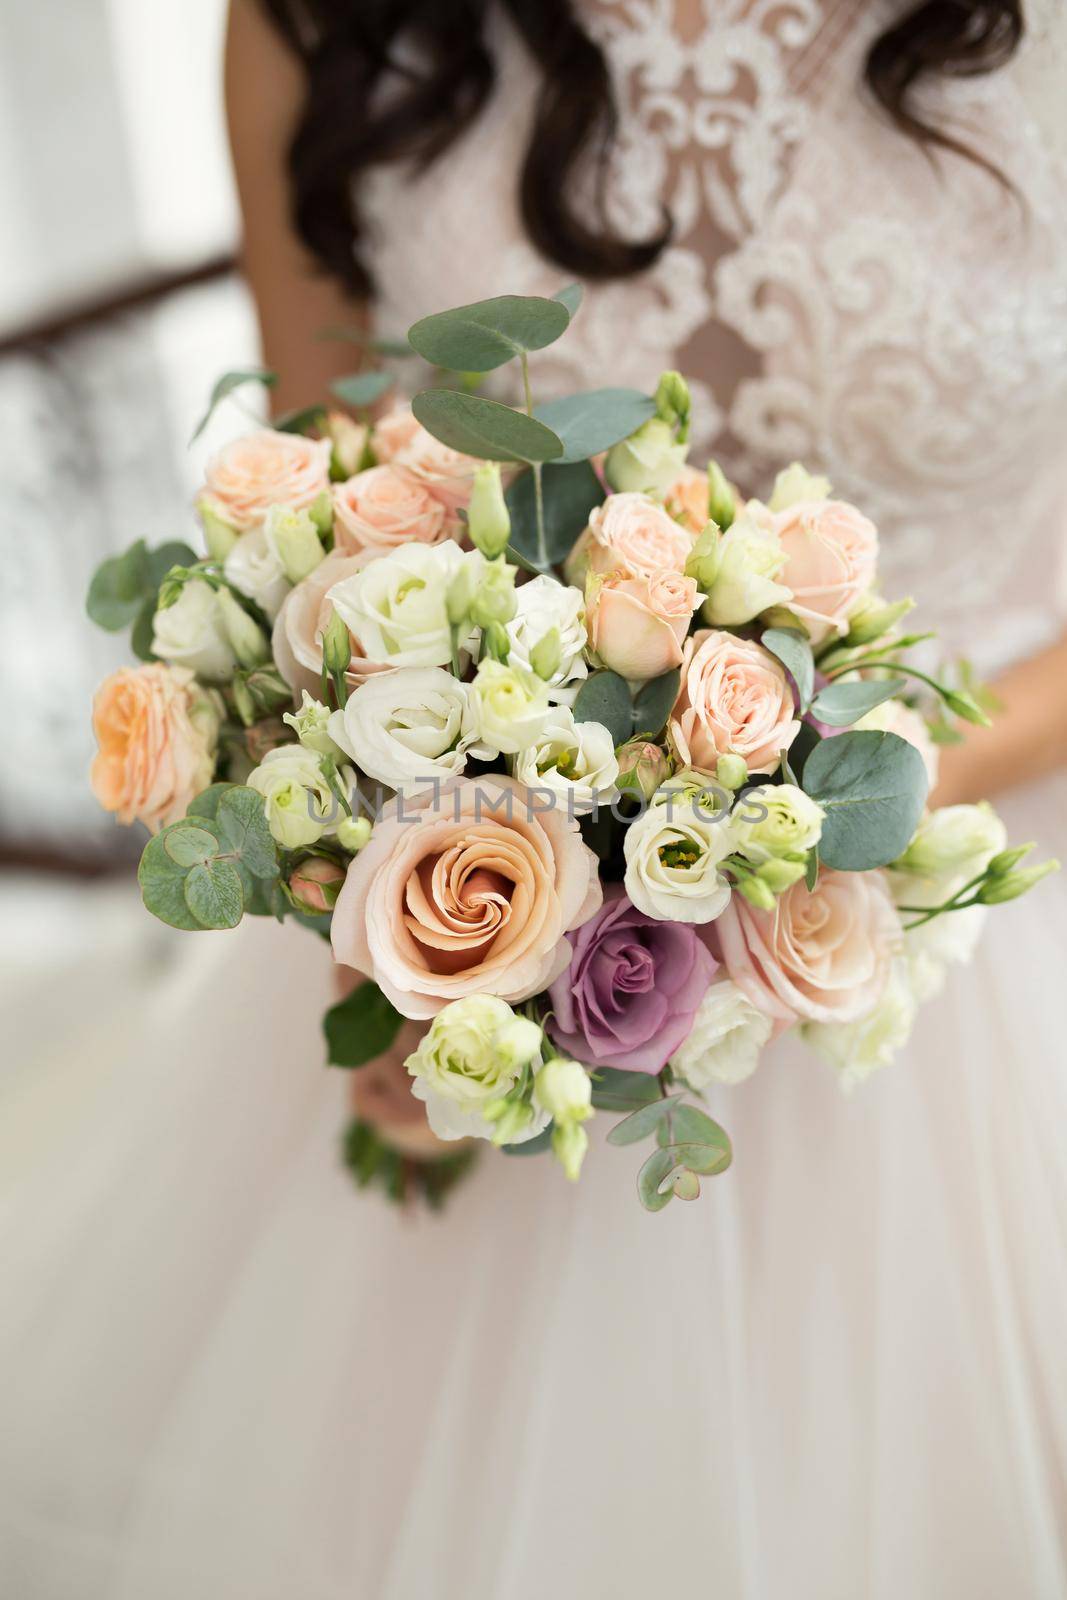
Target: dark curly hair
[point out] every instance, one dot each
(350, 52)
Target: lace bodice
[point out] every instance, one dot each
(832, 293)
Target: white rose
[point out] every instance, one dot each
(541, 605)
(673, 852)
(575, 759)
(953, 843)
(510, 708)
(859, 1048)
(727, 1036)
(192, 633)
(397, 605)
(406, 727)
(298, 803)
(893, 716)
(745, 562)
(471, 1056)
(253, 567)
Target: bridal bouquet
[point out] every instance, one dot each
(598, 775)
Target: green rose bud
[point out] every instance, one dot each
(722, 502)
(643, 767)
(294, 539)
(315, 884)
(336, 645)
(247, 640)
(488, 521)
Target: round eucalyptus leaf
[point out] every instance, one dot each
(872, 787)
(482, 336)
(162, 883)
(652, 1178)
(640, 1124)
(118, 588)
(604, 697)
(213, 894)
(690, 1125)
(686, 1184)
(707, 1159)
(531, 1147)
(484, 428)
(616, 1090)
(591, 422)
(243, 824)
(362, 388)
(188, 845)
(570, 296)
(569, 494)
(360, 1027)
(654, 702)
(794, 652)
(841, 704)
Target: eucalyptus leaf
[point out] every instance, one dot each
(811, 870)
(162, 883)
(143, 631)
(605, 697)
(118, 588)
(686, 1185)
(872, 787)
(794, 652)
(841, 704)
(707, 1159)
(187, 846)
(213, 894)
(641, 1124)
(569, 494)
(482, 336)
(690, 1125)
(654, 702)
(362, 388)
(484, 428)
(531, 1147)
(206, 803)
(300, 421)
(226, 385)
(570, 296)
(243, 825)
(655, 1172)
(360, 1027)
(616, 1090)
(591, 422)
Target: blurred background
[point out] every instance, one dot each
(119, 306)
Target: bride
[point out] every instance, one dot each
(841, 1374)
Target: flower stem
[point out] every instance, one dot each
(535, 467)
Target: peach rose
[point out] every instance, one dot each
(297, 638)
(735, 699)
(465, 893)
(631, 534)
(831, 552)
(393, 433)
(383, 507)
(157, 729)
(687, 499)
(447, 474)
(823, 956)
(636, 625)
(265, 469)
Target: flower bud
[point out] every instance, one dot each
(995, 891)
(648, 462)
(1007, 859)
(873, 620)
(321, 513)
(731, 771)
(219, 536)
(546, 655)
(564, 1089)
(259, 693)
(349, 440)
(488, 521)
(493, 599)
(780, 875)
(569, 1144)
(510, 1116)
(353, 833)
(966, 706)
(336, 645)
(459, 596)
(310, 724)
(497, 643)
(315, 884)
(518, 1042)
(794, 484)
(757, 893)
(643, 766)
(294, 539)
(705, 557)
(722, 502)
(247, 640)
(673, 401)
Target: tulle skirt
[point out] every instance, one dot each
(839, 1375)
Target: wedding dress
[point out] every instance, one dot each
(840, 1374)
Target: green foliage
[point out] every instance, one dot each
(605, 697)
(841, 704)
(483, 336)
(484, 428)
(531, 1147)
(123, 588)
(646, 1121)
(570, 296)
(375, 1164)
(206, 871)
(872, 787)
(616, 1090)
(569, 494)
(360, 1027)
(654, 702)
(591, 422)
(226, 385)
(794, 652)
(362, 388)
(300, 421)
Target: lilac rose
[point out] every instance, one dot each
(630, 993)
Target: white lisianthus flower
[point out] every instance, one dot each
(648, 462)
(311, 724)
(727, 1036)
(297, 800)
(576, 759)
(510, 708)
(541, 605)
(795, 484)
(470, 1059)
(775, 822)
(893, 716)
(738, 571)
(253, 567)
(407, 727)
(673, 854)
(954, 842)
(859, 1048)
(948, 940)
(397, 605)
(192, 633)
